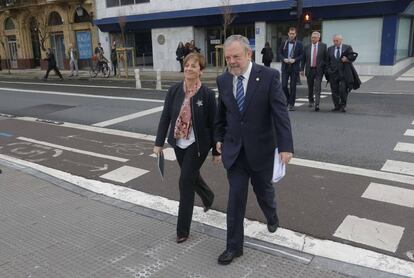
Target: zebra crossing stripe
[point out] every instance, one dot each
(409, 132)
(372, 233)
(404, 147)
(401, 167)
(169, 154)
(390, 194)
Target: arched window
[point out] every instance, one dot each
(81, 15)
(9, 24)
(55, 19)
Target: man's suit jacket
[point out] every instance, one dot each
(332, 66)
(321, 58)
(263, 120)
(297, 55)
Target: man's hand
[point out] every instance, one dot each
(302, 73)
(286, 60)
(218, 147)
(344, 59)
(157, 150)
(285, 157)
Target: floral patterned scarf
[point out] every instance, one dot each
(184, 123)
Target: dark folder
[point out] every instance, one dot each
(160, 163)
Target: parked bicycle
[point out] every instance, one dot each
(100, 67)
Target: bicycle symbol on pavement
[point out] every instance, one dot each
(31, 152)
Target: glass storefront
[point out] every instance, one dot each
(215, 36)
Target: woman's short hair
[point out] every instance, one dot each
(196, 57)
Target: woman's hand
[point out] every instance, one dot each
(157, 150)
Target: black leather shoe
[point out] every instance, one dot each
(227, 256)
(272, 227)
(336, 109)
(317, 108)
(181, 239)
(291, 108)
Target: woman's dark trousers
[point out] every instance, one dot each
(190, 182)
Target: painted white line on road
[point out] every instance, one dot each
(372, 233)
(409, 132)
(121, 133)
(124, 174)
(169, 154)
(405, 78)
(302, 99)
(365, 78)
(129, 117)
(400, 167)
(72, 149)
(404, 147)
(79, 95)
(352, 170)
(254, 229)
(390, 194)
(74, 85)
(295, 161)
(326, 93)
(298, 104)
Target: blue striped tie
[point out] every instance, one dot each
(240, 93)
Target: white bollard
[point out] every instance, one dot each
(137, 79)
(158, 86)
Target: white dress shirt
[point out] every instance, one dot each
(246, 75)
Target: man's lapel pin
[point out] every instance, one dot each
(257, 79)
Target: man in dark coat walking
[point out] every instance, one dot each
(340, 57)
(51, 64)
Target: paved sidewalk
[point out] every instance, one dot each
(50, 228)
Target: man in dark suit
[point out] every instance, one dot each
(336, 79)
(251, 115)
(290, 53)
(313, 62)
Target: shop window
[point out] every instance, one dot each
(9, 24)
(81, 15)
(55, 19)
(115, 3)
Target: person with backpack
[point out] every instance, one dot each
(267, 55)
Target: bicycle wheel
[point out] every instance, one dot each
(106, 71)
(93, 72)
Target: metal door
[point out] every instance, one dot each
(11, 40)
(58, 46)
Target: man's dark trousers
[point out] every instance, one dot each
(238, 176)
(314, 86)
(289, 72)
(339, 92)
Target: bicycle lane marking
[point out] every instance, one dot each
(129, 117)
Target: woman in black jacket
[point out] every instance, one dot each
(181, 53)
(189, 111)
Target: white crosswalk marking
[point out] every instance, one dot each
(124, 174)
(400, 167)
(409, 132)
(390, 194)
(404, 147)
(376, 234)
(302, 99)
(129, 117)
(298, 104)
(169, 154)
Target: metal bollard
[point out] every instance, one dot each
(137, 79)
(158, 86)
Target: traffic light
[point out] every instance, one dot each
(307, 17)
(296, 8)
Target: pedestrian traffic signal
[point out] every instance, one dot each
(296, 8)
(307, 18)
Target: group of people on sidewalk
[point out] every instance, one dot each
(314, 61)
(183, 50)
(243, 130)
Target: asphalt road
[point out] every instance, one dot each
(313, 198)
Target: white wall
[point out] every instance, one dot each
(260, 38)
(164, 6)
(164, 57)
(364, 35)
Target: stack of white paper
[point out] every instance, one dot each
(279, 168)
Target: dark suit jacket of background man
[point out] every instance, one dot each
(321, 58)
(264, 113)
(297, 55)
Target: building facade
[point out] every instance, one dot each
(380, 31)
(29, 27)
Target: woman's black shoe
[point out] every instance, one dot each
(181, 239)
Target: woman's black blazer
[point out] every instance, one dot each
(203, 111)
